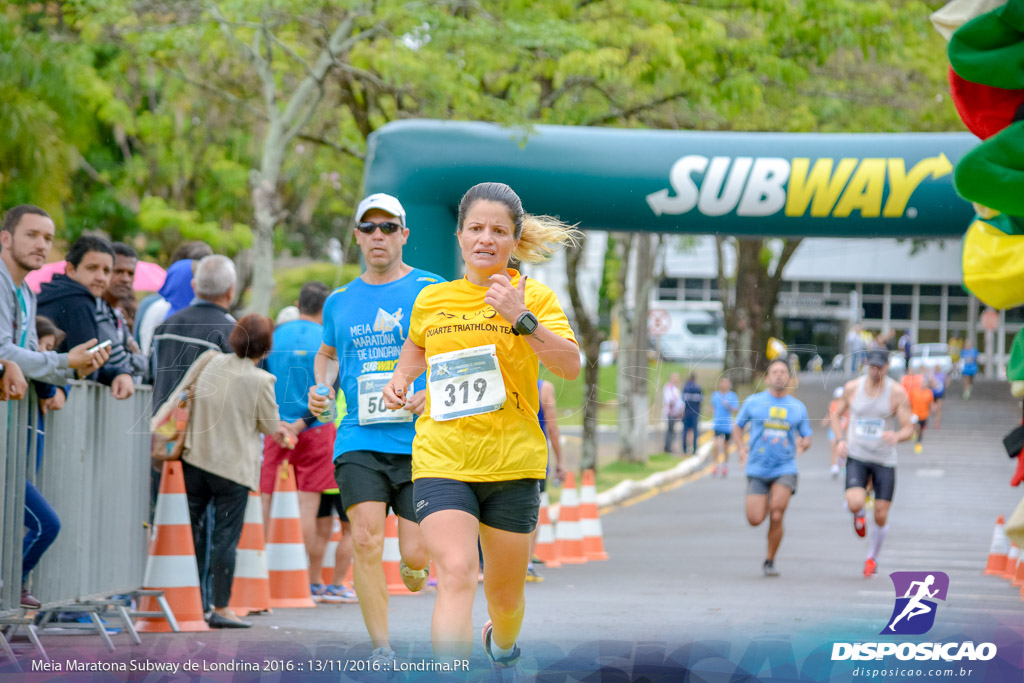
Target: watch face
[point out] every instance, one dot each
(527, 323)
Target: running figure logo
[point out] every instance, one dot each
(385, 322)
(914, 612)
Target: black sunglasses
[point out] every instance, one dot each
(367, 227)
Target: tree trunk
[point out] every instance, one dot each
(266, 203)
(591, 337)
(634, 368)
(750, 319)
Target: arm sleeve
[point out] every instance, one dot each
(267, 416)
(805, 425)
(543, 303)
(329, 336)
(743, 417)
(47, 366)
(416, 328)
(44, 390)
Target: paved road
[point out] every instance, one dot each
(685, 568)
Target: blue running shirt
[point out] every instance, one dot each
(291, 361)
(774, 425)
(368, 325)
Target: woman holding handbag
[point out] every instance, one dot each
(231, 403)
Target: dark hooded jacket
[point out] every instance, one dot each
(73, 309)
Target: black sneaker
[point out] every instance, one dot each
(769, 568)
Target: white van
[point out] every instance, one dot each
(696, 333)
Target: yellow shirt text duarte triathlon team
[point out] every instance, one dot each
(507, 443)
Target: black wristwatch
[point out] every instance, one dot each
(526, 324)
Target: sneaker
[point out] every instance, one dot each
(769, 568)
(506, 665)
(725, 471)
(342, 592)
(834, 470)
(870, 567)
(320, 593)
(918, 448)
(414, 579)
(28, 600)
(860, 524)
(532, 576)
(537, 560)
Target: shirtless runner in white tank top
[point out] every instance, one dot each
(869, 444)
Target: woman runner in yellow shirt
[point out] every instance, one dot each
(479, 450)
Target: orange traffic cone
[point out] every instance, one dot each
(545, 548)
(1012, 558)
(392, 558)
(171, 566)
(1018, 575)
(568, 534)
(590, 519)
(327, 573)
(998, 550)
(286, 553)
(250, 591)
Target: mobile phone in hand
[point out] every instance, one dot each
(101, 345)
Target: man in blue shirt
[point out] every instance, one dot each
(724, 405)
(366, 323)
(291, 361)
(693, 396)
(779, 431)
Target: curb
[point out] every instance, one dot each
(632, 491)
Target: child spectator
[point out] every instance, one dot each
(41, 521)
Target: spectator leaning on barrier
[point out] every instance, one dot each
(234, 404)
(72, 301)
(175, 294)
(26, 235)
(113, 324)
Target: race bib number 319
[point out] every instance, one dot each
(465, 382)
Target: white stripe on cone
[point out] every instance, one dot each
(588, 494)
(251, 564)
(391, 550)
(171, 509)
(1000, 542)
(171, 571)
(284, 505)
(591, 527)
(284, 557)
(253, 511)
(569, 531)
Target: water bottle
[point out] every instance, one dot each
(330, 412)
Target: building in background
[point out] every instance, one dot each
(829, 285)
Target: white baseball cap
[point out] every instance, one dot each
(384, 202)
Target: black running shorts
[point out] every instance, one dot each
(506, 505)
(859, 473)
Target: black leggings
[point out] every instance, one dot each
(227, 516)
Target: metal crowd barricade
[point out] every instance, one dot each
(94, 472)
(17, 456)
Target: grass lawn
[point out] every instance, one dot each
(569, 394)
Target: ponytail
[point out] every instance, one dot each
(540, 237)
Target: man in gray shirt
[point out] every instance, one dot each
(26, 235)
